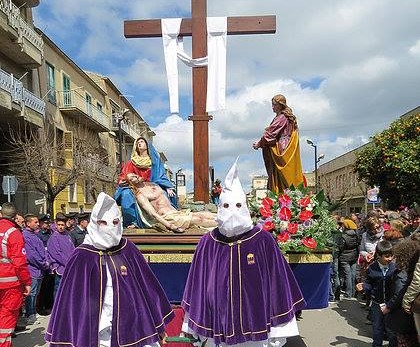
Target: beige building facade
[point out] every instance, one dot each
(76, 111)
(21, 104)
(341, 184)
(132, 124)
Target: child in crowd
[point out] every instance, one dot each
(379, 284)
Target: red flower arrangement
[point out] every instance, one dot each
(298, 219)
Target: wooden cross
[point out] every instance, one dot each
(197, 28)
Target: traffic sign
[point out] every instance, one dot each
(9, 185)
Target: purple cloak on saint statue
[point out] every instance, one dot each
(237, 290)
(140, 307)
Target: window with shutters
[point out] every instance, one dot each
(89, 105)
(68, 140)
(88, 187)
(66, 91)
(68, 148)
(73, 192)
(51, 83)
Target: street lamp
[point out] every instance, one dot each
(317, 159)
(120, 117)
(179, 182)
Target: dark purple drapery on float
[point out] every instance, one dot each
(313, 279)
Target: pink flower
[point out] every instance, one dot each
(304, 201)
(292, 228)
(267, 202)
(305, 215)
(266, 212)
(285, 200)
(309, 242)
(282, 237)
(285, 213)
(268, 226)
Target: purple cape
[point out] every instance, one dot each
(140, 311)
(237, 290)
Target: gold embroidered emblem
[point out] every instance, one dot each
(250, 258)
(123, 269)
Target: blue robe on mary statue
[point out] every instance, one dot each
(149, 167)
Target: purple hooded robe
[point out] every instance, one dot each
(59, 249)
(238, 288)
(140, 309)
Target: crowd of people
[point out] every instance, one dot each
(377, 255)
(375, 258)
(46, 246)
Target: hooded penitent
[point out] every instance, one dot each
(108, 232)
(233, 217)
(240, 289)
(108, 298)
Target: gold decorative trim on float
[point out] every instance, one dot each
(168, 258)
(187, 258)
(311, 258)
(179, 248)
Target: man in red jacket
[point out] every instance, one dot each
(15, 279)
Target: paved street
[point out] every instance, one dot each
(342, 324)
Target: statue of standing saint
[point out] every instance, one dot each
(280, 147)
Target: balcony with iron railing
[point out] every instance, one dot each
(75, 105)
(129, 129)
(26, 3)
(18, 39)
(20, 95)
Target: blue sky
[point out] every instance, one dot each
(347, 68)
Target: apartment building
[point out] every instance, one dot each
(132, 125)
(21, 104)
(87, 115)
(341, 184)
(75, 112)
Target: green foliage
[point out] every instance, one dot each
(392, 162)
(298, 219)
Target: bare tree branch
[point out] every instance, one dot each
(38, 157)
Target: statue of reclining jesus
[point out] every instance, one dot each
(152, 199)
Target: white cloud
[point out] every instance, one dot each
(415, 49)
(374, 68)
(364, 52)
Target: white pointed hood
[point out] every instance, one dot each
(233, 217)
(103, 236)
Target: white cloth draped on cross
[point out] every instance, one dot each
(215, 60)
